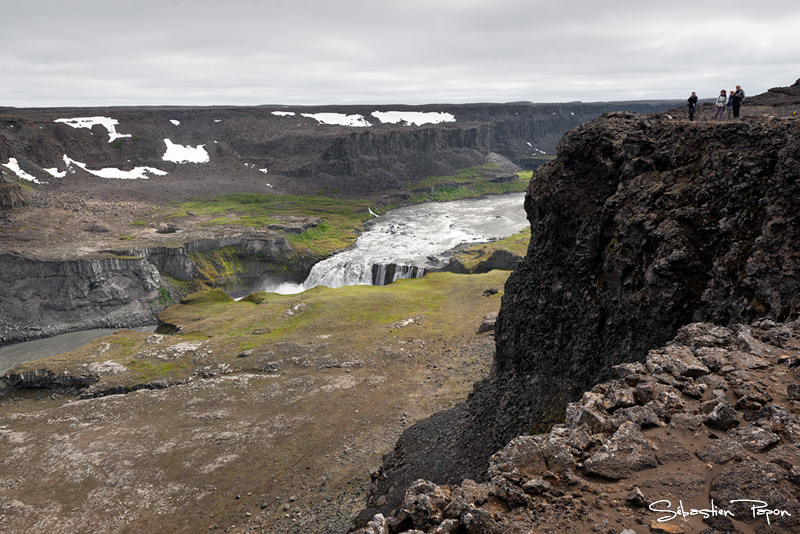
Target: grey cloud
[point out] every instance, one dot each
(96, 52)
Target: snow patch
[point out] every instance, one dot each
(87, 122)
(417, 118)
(55, 173)
(185, 154)
(339, 119)
(140, 173)
(176, 123)
(263, 170)
(283, 113)
(217, 120)
(13, 166)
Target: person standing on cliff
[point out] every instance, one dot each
(692, 105)
(738, 98)
(729, 107)
(722, 101)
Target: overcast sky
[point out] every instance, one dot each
(243, 52)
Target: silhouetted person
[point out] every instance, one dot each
(737, 98)
(692, 105)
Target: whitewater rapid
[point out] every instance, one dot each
(413, 239)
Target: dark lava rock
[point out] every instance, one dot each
(723, 417)
(762, 481)
(640, 226)
(637, 499)
(753, 438)
(722, 451)
(500, 259)
(625, 453)
(11, 195)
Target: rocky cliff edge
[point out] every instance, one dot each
(642, 224)
(712, 417)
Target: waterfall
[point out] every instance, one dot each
(337, 272)
(383, 273)
(405, 242)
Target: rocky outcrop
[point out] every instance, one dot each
(386, 273)
(785, 99)
(235, 259)
(43, 298)
(634, 447)
(127, 288)
(10, 193)
(644, 224)
(641, 225)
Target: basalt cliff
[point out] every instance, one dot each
(642, 225)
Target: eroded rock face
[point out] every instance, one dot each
(40, 298)
(298, 153)
(626, 474)
(10, 194)
(127, 288)
(642, 224)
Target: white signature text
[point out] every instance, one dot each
(757, 508)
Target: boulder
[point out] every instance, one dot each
(625, 453)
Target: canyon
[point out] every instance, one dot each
(651, 325)
(88, 195)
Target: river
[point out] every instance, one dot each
(11, 355)
(411, 240)
(405, 242)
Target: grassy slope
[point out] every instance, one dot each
(472, 256)
(337, 374)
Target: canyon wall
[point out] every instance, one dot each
(293, 149)
(127, 288)
(44, 298)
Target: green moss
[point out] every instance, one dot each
(467, 183)
(218, 267)
(207, 297)
(127, 237)
(146, 371)
(123, 346)
(164, 297)
(267, 319)
(256, 298)
(472, 256)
